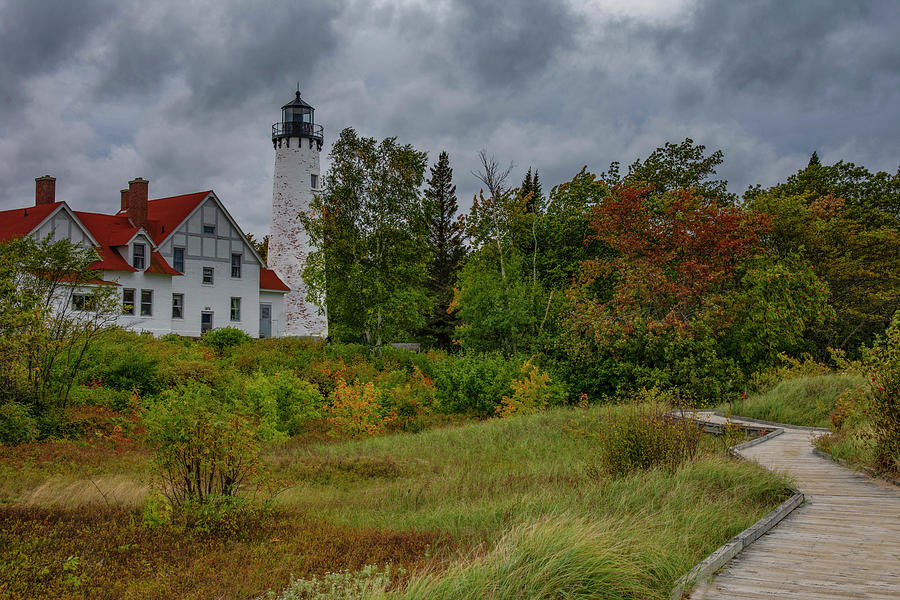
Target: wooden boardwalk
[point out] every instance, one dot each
(843, 542)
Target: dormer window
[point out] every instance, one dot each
(138, 256)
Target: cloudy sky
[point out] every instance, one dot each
(183, 93)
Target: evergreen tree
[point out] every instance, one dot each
(814, 160)
(531, 191)
(447, 250)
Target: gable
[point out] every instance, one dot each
(228, 236)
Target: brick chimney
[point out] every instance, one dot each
(124, 198)
(138, 193)
(44, 190)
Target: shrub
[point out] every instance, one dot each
(790, 368)
(17, 426)
(274, 355)
(473, 383)
(644, 437)
(223, 338)
(532, 391)
(174, 372)
(95, 395)
(345, 585)
(884, 399)
(203, 445)
(407, 398)
(354, 411)
(286, 400)
(131, 371)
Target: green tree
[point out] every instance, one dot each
(684, 166)
(370, 267)
(844, 221)
(52, 309)
(445, 238)
(261, 246)
(531, 191)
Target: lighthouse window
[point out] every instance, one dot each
(314, 181)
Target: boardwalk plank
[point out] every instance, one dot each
(844, 542)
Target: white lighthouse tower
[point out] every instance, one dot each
(298, 141)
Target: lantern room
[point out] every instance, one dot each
(297, 121)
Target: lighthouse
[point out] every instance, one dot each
(298, 142)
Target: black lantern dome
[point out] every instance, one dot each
(297, 121)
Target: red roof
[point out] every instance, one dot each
(269, 280)
(110, 260)
(159, 265)
(165, 214)
(22, 221)
(109, 230)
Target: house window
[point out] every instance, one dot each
(178, 259)
(81, 302)
(313, 181)
(236, 265)
(146, 303)
(208, 275)
(235, 309)
(128, 301)
(137, 256)
(209, 229)
(177, 306)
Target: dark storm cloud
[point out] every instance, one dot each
(507, 43)
(814, 53)
(184, 93)
(225, 54)
(40, 37)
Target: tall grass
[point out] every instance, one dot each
(525, 495)
(802, 401)
(550, 558)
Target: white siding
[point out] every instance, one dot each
(200, 250)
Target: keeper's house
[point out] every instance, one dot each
(181, 264)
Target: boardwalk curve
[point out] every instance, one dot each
(844, 542)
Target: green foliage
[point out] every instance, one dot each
(284, 400)
(406, 398)
(51, 314)
(473, 383)
(532, 391)
(683, 166)
(369, 227)
(845, 221)
(644, 437)
(157, 510)
(222, 339)
(204, 445)
(354, 411)
(499, 313)
(344, 585)
(17, 426)
(445, 240)
(883, 365)
(775, 305)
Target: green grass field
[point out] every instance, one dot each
(802, 401)
(513, 508)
